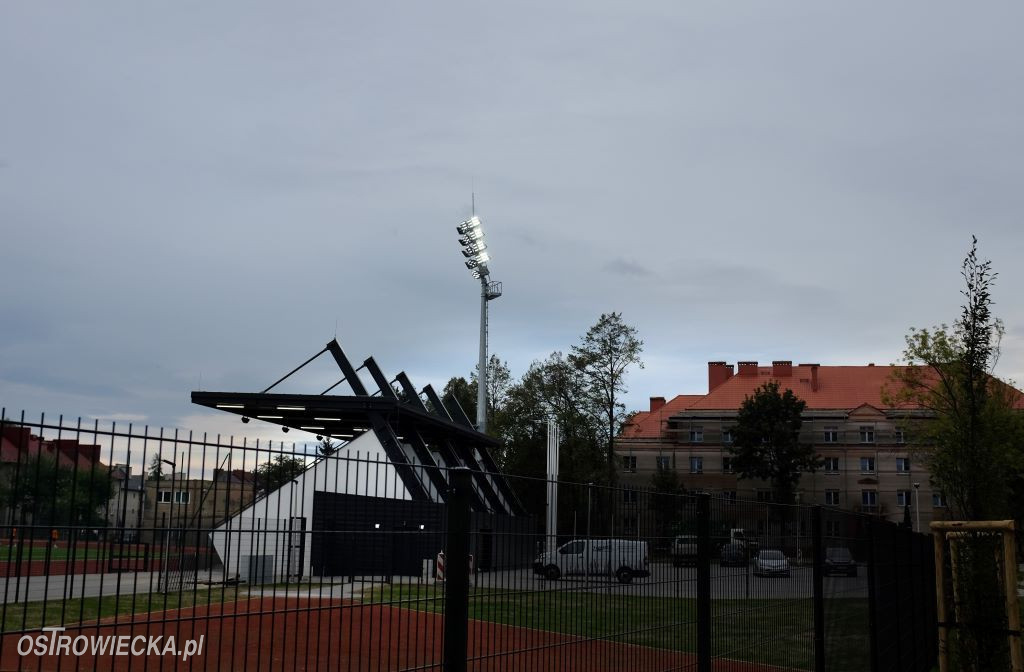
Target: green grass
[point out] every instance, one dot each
(34, 615)
(776, 632)
(63, 552)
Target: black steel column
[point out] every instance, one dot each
(456, 587)
(818, 552)
(703, 583)
(872, 594)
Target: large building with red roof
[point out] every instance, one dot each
(868, 466)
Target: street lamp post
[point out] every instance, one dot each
(917, 505)
(475, 251)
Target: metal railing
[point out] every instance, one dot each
(330, 563)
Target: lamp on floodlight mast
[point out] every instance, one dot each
(471, 238)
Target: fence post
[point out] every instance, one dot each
(456, 587)
(703, 583)
(819, 590)
(872, 595)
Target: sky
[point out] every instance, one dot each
(200, 195)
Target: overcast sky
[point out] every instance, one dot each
(197, 194)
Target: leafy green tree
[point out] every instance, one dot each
(463, 392)
(666, 500)
(968, 431)
(275, 473)
(604, 356)
(45, 493)
(551, 390)
(766, 441)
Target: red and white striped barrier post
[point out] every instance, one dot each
(440, 566)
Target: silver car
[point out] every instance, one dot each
(771, 563)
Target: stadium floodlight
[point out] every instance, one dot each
(471, 224)
(471, 237)
(471, 234)
(474, 250)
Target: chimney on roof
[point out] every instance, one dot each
(782, 369)
(814, 376)
(718, 373)
(747, 368)
(656, 403)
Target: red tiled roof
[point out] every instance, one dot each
(649, 425)
(839, 387)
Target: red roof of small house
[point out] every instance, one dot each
(649, 424)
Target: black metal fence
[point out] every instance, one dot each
(284, 556)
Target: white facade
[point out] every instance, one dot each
(274, 525)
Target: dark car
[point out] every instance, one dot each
(733, 555)
(839, 561)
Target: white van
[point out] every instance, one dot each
(621, 558)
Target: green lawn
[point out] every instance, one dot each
(34, 615)
(777, 632)
(64, 552)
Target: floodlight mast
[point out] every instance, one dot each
(475, 251)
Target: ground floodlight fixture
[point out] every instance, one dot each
(245, 419)
(284, 429)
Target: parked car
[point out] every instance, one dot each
(733, 554)
(771, 562)
(625, 559)
(684, 550)
(839, 561)
(739, 536)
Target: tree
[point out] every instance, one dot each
(463, 392)
(156, 469)
(666, 500)
(277, 472)
(603, 356)
(766, 441)
(326, 447)
(967, 428)
(45, 493)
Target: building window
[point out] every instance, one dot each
(696, 465)
(867, 465)
(696, 434)
(727, 464)
(662, 461)
(903, 464)
(903, 497)
(938, 500)
(899, 436)
(727, 436)
(163, 497)
(831, 528)
(832, 465)
(181, 496)
(730, 496)
(831, 498)
(629, 463)
(831, 435)
(867, 434)
(764, 496)
(869, 498)
(630, 496)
